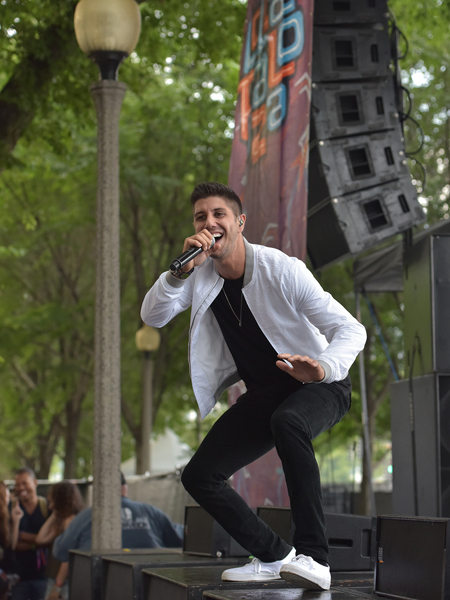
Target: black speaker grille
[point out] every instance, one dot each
(380, 105)
(403, 203)
(341, 5)
(375, 214)
(389, 155)
(344, 54)
(349, 110)
(374, 53)
(359, 162)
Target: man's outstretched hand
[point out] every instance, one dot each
(303, 368)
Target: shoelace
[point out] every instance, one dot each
(257, 564)
(305, 561)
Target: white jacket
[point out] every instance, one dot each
(293, 311)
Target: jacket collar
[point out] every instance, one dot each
(249, 262)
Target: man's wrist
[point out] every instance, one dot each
(326, 371)
(182, 274)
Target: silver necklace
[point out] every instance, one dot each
(239, 319)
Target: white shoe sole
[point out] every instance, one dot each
(243, 577)
(301, 581)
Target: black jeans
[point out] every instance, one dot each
(249, 429)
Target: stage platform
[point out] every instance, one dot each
(290, 594)
(195, 583)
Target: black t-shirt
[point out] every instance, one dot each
(253, 354)
(31, 564)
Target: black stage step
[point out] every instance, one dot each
(85, 569)
(190, 583)
(121, 576)
(290, 594)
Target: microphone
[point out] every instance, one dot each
(177, 264)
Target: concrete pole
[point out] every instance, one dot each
(106, 520)
(365, 416)
(147, 412)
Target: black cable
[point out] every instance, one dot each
(422, 137)
(405, 54)
(413, 425)
(404, 116)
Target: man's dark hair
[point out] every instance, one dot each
(123, 481)
(212, 188)
(26, 470)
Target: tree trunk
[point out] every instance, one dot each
(28, 86)
(73, 418)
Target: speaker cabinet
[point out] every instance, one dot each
(346, 165)
(352, 108)
(350, 53)
(333, 12)
(203, 536)
(411, 558)
(428, 479)
(349, 536)
(349, 224)
(427, 306)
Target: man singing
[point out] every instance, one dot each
(260, 316)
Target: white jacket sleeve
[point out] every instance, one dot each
(168, 297)
(345, 335)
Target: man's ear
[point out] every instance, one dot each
(241, 220)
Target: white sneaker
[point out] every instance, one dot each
(258, 570)
(307, 573)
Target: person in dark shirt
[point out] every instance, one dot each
(30, 558)
(143, 526)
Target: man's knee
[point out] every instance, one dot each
(283, 422)
(194, 477)
(199, 477)
(188, 477)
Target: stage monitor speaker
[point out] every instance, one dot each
(429, 479)
(346, 225)
(349, 536)
(412, 558)
(341, 12)
(341, 109)
(203, 536)
(427, 305)
(344, 53)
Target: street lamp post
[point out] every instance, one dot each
(107, 31)
(147, 341)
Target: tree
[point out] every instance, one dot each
(172, 123)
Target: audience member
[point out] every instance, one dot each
(10, 515)
(143, 526)
(65, 502)
(30, 557)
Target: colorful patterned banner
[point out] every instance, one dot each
(269, 158)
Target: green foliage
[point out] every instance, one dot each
(426, 73)
(176, 129)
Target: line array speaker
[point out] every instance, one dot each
(356, 139)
